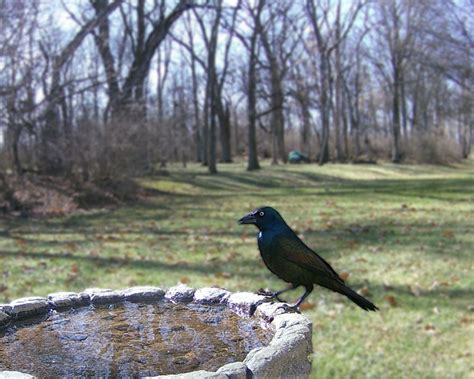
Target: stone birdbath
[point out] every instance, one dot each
(151, 332)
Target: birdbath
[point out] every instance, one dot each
(152, 332)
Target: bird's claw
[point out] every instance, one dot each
(290, 308)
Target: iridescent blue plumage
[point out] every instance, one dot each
(288, 257)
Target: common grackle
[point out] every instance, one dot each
(291, 260)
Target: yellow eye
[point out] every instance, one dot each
(261, 213)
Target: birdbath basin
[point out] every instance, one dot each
(150, 332)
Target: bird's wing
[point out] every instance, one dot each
(295, 251)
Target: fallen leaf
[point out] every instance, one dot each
(391, 300)
(352, 244)
(74, 268)
(469, 320)
(20, 242)
(223, 274)
(184, 280)
(430, 329)
(344, 275)
(448, 234)
(306, 306)
(364, 291)
(71, 246)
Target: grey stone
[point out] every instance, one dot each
(15, 375)
(288, 320)
(200, 374)
(4, 319)
(64, 300)
(6, 308)
(29, 306)
(268, 311)
(245, 303)
(180, 294)
(211, 295)
(104, 296)
(145, 293)
(236, 370)
(288, 353)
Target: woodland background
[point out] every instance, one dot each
(135, 133)
(98, 89)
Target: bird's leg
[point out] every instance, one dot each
(278, 293)
(274, 295)
(308, 290)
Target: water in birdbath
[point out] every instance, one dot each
(129, 340)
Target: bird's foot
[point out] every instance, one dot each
(290, 308)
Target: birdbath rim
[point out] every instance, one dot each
(288, 352)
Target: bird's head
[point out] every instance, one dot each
(263, 218)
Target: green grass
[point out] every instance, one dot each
(404, 232)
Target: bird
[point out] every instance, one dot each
(289, 258)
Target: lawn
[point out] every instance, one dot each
(403, 235)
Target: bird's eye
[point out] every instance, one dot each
(261, 214)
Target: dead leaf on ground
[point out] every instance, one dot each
(306, 306)
(352, 244)
(448, 234)
(468, 320)
(391, 300)
(223, 274)
(184, 280)
(71, 246)
(364, 291)
(344, 275)
(20, 243)
(74, 268)
(430, 329)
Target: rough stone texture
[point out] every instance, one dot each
(268, 311)
(29, 306)
(65, 300)
(200, 374)
(210, 295)
(93, 290)
(245, 303)
(4, 319)
(147, 293)
(104, 296)
(180, 293)
(6, 308)
(15, 375)
(288, 353)
(237, 370)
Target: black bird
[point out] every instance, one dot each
(291, 260)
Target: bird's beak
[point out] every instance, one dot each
(248, 219)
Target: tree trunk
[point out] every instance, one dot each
(224, 121)
(340, 155)
(396, 153)
(324, 111)
(276, 101)
(252, 94)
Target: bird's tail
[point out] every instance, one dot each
(356, 298)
